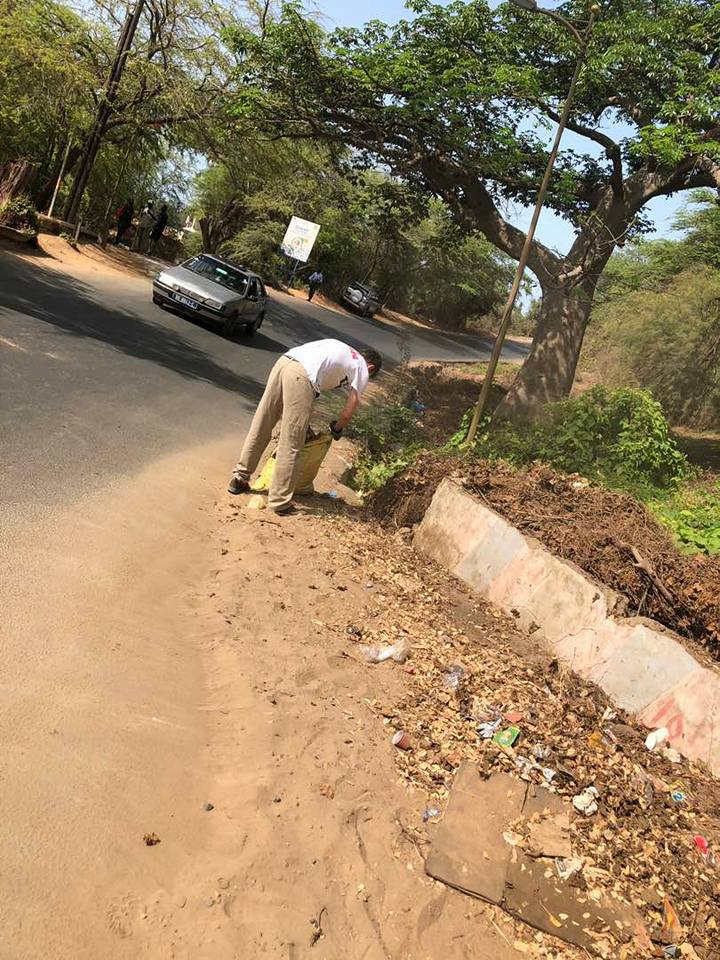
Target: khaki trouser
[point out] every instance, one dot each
(288, 397)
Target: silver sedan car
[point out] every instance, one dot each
(216, 289)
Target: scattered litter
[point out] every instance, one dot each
(417, 407)
(657, 737)
(354, 631)
(333, 494)
(453, 675)
(566, 867)
(430, 814)
(640, 838)
(207, 807)
(673, 950)
(506, 738)
(671, 929)
(151, 839)
(327, 791)
(513, 717)
(704, 849)
(599, 742)
(674, 756)
(586, 802)
(401, 740)
(679, 791)
(399, 652)
(488, 730)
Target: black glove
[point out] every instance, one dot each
(335, 430)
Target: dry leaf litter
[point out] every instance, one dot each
(470, 677)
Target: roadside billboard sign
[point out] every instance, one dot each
(299, 238)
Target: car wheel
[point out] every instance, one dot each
(230, 325)
(250, 328)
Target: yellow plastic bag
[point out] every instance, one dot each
(311, 456)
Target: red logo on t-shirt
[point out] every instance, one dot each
(355, 356)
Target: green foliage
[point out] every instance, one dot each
(373, 229)
(54, 62)
(449, 92)
(20, 214)
(693, 516)
(381, 427)
(389, 437)
(666, 340)
(370, 473)
(617, 437)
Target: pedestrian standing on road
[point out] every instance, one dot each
(124, 219)
(142, 235)
(157, 230)
(314, 280)
(296, 380)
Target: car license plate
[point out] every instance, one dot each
(185, 301)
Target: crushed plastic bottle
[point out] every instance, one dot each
(586, 802)
(399, 652)
(453, 675)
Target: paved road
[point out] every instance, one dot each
(96, 381)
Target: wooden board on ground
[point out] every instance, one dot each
(471, 853)
(468, 850)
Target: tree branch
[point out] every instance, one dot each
(612, 149)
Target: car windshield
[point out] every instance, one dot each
(221, 273)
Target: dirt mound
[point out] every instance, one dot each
(447, 395)
(609, 535)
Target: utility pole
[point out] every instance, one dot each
(104, 111)
(583, 40)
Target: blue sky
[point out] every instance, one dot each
(552, 230)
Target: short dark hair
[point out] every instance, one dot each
(372, 357)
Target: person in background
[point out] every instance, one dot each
(124, 219)
(142, 235)
(296, 380)
(314, 281)
(158, 228)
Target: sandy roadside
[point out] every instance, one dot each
(102, 731)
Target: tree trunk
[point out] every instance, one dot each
(549, 370)
(207, 232)
(44, 193)
(15, 178)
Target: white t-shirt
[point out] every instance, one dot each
(330, 364)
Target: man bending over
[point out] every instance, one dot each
(296, 380)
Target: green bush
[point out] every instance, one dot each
(382, 427)
(693, 517)
(618, 437)
(389, 437)
(370, 473)
(666, 341)
(19, 214)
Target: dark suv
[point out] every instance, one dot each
(360, 298)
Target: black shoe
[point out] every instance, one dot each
(238, 486)
(289, 511)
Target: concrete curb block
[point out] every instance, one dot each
(643, 667)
